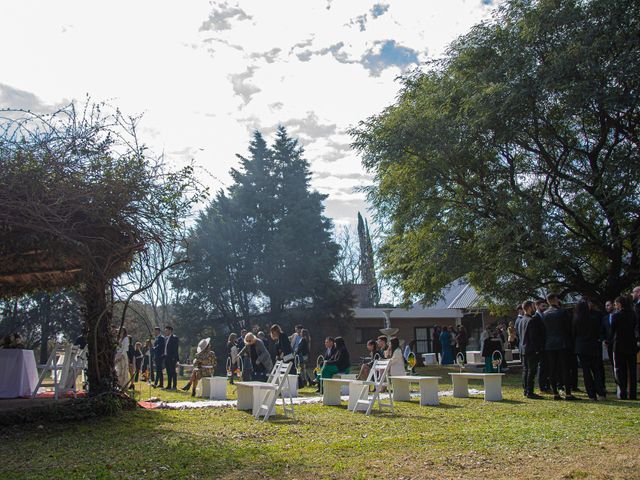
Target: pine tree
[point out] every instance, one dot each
(367, 267)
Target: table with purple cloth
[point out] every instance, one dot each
(18, 373)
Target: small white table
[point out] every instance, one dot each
(474, 356)
(292, 385)
(18, 373)
(331, 389)
(214, 387)
(492, 385)
(429, 358)
(251, 395)
(344, 390)
(428, 388)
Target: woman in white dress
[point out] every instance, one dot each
(394, 353)
(121, 360)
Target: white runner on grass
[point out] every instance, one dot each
(296, 401)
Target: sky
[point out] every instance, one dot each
(206, 74)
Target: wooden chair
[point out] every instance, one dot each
(379, 379)
(274, 390)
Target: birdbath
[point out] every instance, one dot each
(387, 330)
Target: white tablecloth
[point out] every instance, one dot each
(18, 373)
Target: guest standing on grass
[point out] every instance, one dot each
(623, 329)
(261, 364)
(531, 347)
(558, 346)
(445, 342)
(158, 358)
(543, 371)
(605, 332)
(586, 331)
(232, 354)
(282, 342)
(302, 351)
(171, 357)
(138, 357)
(462, 339)
(437, 346)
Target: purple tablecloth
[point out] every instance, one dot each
(18, 373)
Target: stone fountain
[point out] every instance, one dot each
(387, 330)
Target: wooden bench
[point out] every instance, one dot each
(492, 385)
(428, 388)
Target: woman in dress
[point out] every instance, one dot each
(394, 353)
(203, 365)
(232, 353)
(367, 361)
(339, 363)
(122, 359)
(445, 342)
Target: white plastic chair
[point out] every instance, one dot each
(379, 378)
(275, 389)
(59, 364)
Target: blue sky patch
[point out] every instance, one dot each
(386, 54)
(379, 9)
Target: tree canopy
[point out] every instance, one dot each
(514, 160)
(82, 200)
(264, 247)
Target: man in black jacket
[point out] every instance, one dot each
(532, 340)
(558, 346)
(158, 358)
(586, 331)
(605, 334)
(543, 371)
(171, 357)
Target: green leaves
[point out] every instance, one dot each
(512, 160)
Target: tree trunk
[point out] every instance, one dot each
(100, 341)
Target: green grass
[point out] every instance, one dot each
(460, 438)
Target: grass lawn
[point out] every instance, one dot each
(461, 438)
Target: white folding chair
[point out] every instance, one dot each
(276, 368)
(379, 378)
(275, 389)
(59, 364)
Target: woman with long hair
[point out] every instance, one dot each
(394, 353)
(232, 352)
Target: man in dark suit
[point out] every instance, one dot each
(558, 346)
(543, 371)
(171, 357)
(605, 334)
(158, 358)
(586, 331)
(623, 328)
(531, 347)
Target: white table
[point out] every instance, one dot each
(344, 390)
(429, 358)
(474, 356)
(18, 373)
(292, 385)
(213, 387)
(251, 395)
(428, 388)
(492, 385)
(331, 389)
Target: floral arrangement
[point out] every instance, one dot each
(13, 340)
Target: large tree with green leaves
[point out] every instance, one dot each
(265, 247)
(514, 160)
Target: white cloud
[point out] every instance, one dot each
(206, 73)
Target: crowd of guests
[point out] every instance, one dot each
(448, 342)
(253, 354)
(553, 343)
